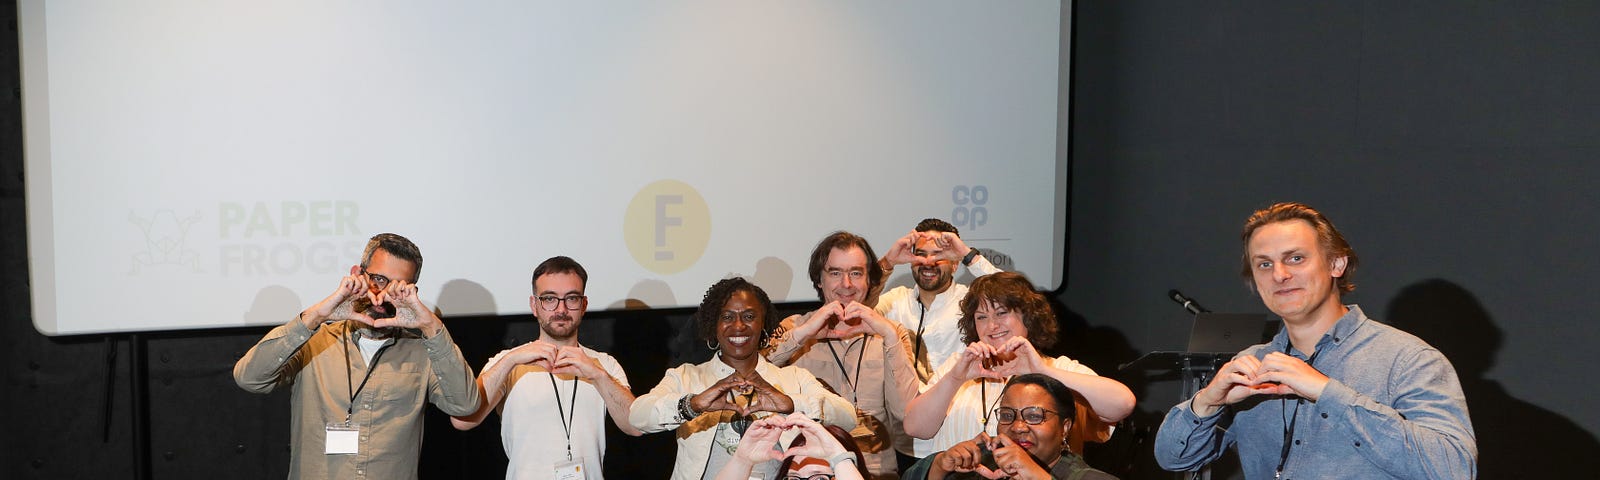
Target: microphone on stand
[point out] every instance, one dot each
(1188, 303)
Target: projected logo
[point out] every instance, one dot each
(970, 212)
(667, 226)
(164, 241)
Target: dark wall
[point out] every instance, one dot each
(1454, 144)
(1450, 141)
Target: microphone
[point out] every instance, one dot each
(1188, 303)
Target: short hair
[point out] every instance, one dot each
(1015, 292)
(559, 264)
(1065, 406)
(936, 225)
(843, 240)
(397, 247)
(845, 440)
(706, 317)
(1328, 239)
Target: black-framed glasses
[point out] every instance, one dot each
(549, 302)
(1032, 415)
(376, 280)
(814, 476)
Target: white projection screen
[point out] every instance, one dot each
(204, 164)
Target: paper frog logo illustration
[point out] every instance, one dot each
(164, 235)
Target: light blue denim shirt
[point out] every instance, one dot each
(1393, 408)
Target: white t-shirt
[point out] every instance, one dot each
(964, 419)
(531, 423)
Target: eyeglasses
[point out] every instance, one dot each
(814, 476)
(549, 302)
(1032, 415)
(377, 280)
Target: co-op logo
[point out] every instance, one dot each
(970, 211)
(667, 226)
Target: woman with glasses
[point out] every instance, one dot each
(1034, 415)
(818, 452)
(1004, 321)
(712, 404)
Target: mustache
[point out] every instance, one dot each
(364, 305)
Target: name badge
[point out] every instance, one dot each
(570, 470)
(342, 439)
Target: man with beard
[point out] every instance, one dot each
(554, 386)
(853, 349)
(361, 363)
(931, 309)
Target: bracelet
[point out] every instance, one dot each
(685, 410)
(841, 457)
(971, 254)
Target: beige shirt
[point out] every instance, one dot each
(877, 377)
(325, 365)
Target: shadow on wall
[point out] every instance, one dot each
(1516, 439)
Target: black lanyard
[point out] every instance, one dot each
(983, 401)
(349, 383)
(566, 415)
(1288, 424)
(846, 373)
(916, 350)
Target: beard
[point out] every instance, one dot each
(549, 328)
(364, 305)
(936, 283)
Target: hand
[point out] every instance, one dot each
(1281, 374)
(816, 325)
(715, 397)
(572, 361)
(951, 248)
(409, 311)
(1013, 460)
(767, 397)
(339, 305)
(1235, 381)
(966, 457)
(819, 443)
(857, 319)
(759, 439)
(901, 252)
(1017, 357)
(973, 363)
(537, 353)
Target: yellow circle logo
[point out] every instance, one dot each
(667, 226)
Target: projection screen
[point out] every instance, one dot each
(201, 164)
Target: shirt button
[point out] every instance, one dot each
(1358, 444)
(1196, 422)
(1324, 415)
(1296, 442)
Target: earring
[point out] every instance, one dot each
(765, 340)
(711, 345)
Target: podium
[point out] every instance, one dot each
(1195, 369)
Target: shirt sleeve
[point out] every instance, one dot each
(816, 401)
(657, 411)
(786, 346)
(1426, 433)
(980, 266)
(275, 360)
(1186, 441)
(451, 384)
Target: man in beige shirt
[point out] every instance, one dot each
(362, 363)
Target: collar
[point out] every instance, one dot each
(941, 298)
(1341, 331)
(722, 368)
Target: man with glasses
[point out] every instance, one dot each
(847, 345)
(362, 362)
(1034, 415)
(553, 394)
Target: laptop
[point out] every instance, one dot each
(1229, 332)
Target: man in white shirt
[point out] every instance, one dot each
(553, 394)
(930, 310)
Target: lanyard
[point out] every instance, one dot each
(846, 373)
(983, 402)
(916, 350)
(566, 415)
(349, 383)
(1288, 425)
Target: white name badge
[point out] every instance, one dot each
(570, 470)
(342, 439)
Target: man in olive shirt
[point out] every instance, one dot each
(362, 362)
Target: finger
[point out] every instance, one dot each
(987, 473)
